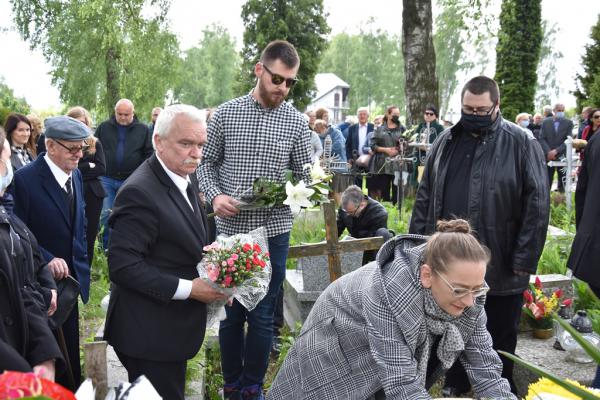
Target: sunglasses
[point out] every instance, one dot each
(277, 79)
(429, 113)
(596, 116)
(462, 292)
(74, 149)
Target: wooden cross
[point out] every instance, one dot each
(333, 248)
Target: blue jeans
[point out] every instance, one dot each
(111, 187)
(245, 360)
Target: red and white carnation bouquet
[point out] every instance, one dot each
(239, 266)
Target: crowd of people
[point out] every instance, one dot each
(438, 299)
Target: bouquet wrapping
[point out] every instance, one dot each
(239, 266)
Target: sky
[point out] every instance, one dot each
(27, 73)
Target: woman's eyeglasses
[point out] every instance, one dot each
(462, 292)
(277, 79)
(596, 116)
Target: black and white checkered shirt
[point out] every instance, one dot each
(247, 141)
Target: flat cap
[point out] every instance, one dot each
(66, 128)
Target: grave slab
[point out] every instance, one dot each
(541, 353)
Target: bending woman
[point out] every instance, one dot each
(393, 326)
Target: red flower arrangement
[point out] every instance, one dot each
(539, 307)
(18, 385)
(230, 267)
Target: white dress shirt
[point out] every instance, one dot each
(362, 138)
(60, 175)
(185, 286)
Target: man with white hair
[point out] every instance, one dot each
(126, 143)
(357, 143)
(555, 130)
(157, 312)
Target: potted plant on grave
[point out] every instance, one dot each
(539, 307)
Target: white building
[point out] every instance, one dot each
(332, 93)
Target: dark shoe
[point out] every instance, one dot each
(253, 392)
(232, 392)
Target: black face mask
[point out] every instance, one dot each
(476, 123)
(396, 119)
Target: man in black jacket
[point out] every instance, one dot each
(126, 143)
(553, 133)
(156, 317)
(357, 142)
(488, 171)
(363, 217)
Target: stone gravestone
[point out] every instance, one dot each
(315, 274)
(304, 284)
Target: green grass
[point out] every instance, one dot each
(559, 215)
(91, 315)
(554, 256)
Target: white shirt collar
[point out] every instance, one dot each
(60, 175)
(179, 181)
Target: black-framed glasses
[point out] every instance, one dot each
(277, 79)
(596, 116)
(478, 111)
(429, 113)
(462, 292)
(354, 213)
(73, 149)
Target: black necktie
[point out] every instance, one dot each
(69, 195)
(192, 198)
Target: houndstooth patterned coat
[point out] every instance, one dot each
(364, 330)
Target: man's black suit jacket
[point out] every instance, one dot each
(551, 138)
(156, 239)
(352, 140)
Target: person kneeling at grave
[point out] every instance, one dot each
(363, 217)
(390, 329)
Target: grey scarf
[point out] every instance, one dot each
(439, 323)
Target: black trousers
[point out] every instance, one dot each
(168, 378)
(70, 330)
(503, 314)
(93, 207)
(561, 177)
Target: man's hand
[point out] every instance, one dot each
(392, 152)
(59, 268)
(45, 370)
(205, 292)
(551, 156)
(225, 206)
(53, 302)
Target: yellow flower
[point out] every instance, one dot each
(545, 389)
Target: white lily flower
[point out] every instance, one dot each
(297, 196)
(317, 173)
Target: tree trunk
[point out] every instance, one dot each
(113, 72)
(421, 86)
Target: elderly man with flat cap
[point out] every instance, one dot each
(49, 199)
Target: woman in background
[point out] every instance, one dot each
(92, 165)
(18, 132)
(36, 140)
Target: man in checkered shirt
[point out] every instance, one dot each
(257, 135)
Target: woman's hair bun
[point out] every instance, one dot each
(454, 225)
